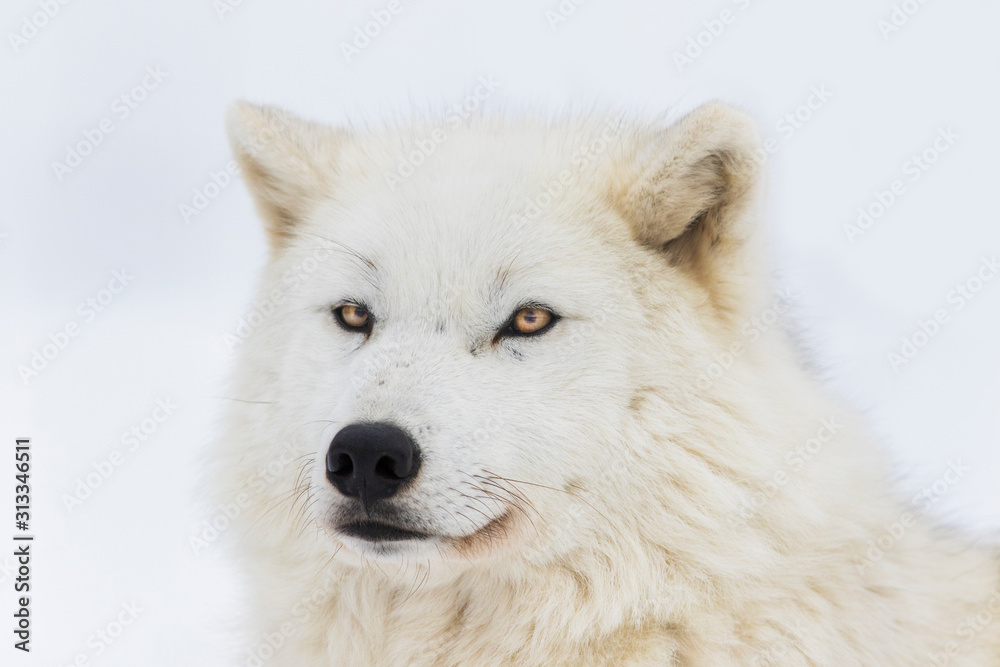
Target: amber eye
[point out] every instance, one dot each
(354, 317)
(531, 320)
(528, 321)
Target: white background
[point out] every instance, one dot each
(162, 336)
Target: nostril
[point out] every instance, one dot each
(389, 468)
(342, 465)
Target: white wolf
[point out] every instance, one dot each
(514, 394)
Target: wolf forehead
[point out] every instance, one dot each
(482, 174)
(433, 195)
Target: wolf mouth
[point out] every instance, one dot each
(376, 531)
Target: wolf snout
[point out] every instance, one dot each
(371, 461)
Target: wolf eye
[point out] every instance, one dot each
(531, 320)
(528, 321)
(353, 317)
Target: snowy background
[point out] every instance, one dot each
(885, 81)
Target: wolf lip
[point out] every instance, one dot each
(375, 531)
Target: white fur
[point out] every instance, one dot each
(645, 523)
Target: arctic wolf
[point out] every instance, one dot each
(515, 395)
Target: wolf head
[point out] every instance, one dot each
(487, 342)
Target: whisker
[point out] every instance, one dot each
(566, 491)
(243, 400)
(347, 250)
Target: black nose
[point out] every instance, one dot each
(371, 461)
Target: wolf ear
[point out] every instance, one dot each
(691, 195)
(288, 163)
